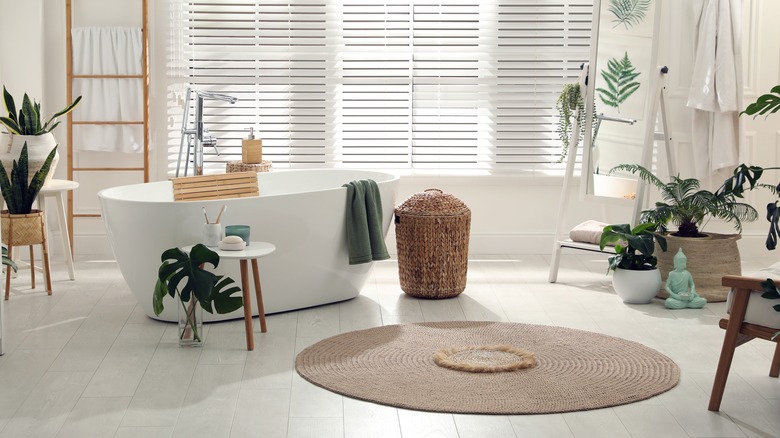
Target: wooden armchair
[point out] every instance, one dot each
(738, 332)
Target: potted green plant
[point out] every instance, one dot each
(27, 126)
(21, 225)
(764, 105)
(182, 276)
(687, 207)
(636, 278)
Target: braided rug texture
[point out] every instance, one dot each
(576, 370)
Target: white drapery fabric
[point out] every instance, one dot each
(716, 87)
(108, 51)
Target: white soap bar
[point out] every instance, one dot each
(232, 239)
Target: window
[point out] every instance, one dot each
(407, 84)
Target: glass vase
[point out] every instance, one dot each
(190, 323)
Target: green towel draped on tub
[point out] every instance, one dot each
(365, 239)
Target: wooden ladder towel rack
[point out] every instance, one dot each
(144, 76)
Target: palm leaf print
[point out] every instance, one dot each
(629, 13)
(619, 79)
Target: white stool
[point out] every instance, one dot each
(56, 190)
(252, 252)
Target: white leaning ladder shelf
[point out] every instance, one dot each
(658, 110)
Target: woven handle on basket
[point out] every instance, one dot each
(433, 190)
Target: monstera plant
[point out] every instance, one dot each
(183, 275)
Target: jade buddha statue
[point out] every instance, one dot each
(680, 287)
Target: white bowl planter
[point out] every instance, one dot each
(38, 148)
(636, 287)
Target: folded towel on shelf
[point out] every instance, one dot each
(365, 239)
(588, 232)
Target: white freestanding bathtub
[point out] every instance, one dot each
(302, 212)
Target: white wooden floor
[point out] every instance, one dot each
(86, 362)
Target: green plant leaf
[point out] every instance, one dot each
(183, 273)
(28, 121)
(765, 104)
(6, 260)
(629, 13)
(11, 125)
(67, 109)
(619, 81)
(31, 117)
(157, 299)
(10, 106)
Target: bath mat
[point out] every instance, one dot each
(574, 370)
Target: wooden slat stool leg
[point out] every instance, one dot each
(8, 273)
(250, 341)
(259, 294)
(32, 267)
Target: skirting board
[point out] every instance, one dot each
(751, 246)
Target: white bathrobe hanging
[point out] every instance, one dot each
(716, 87)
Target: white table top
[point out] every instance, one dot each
(252, 251)
(59, 185)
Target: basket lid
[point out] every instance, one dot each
(432, 202)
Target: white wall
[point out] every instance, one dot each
(21, 47)
(510, 215)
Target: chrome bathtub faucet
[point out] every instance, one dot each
(198, 134)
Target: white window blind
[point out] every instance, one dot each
(458, 84)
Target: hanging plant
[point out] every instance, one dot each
(620, 85)
(570, 105)
(629, 13)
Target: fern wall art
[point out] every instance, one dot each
(619, 82)
(628, 12)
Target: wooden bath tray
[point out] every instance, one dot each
(221, 186)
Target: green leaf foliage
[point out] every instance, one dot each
(687, 206)
(18, 195)
(7, 260)
(570, 105)
(184, 275)
(629, 13)
(634, 248)
(765, 104)
(28, 121)
(619, 82)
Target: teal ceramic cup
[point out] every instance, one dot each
(241, 231)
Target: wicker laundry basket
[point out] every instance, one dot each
(432, 239)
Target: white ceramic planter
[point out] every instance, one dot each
(38, 148)
(636, 287)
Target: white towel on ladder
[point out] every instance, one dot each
(108, 51)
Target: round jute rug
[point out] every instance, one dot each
(575, 370)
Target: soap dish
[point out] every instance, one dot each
(232, 246)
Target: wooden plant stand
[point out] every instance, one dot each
(25, 230)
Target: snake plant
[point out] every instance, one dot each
(28, 122)
(18, 194)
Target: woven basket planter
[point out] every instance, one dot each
(709, 259)
(432, 239)
(22, 229)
